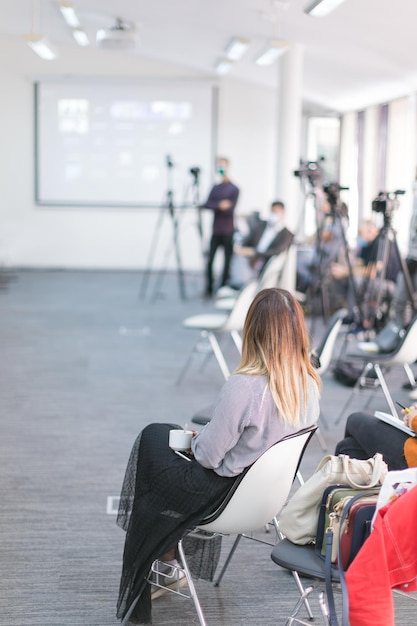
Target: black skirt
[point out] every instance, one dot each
(163, 496)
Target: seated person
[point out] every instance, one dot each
(368, 272)
(273, 392)
(315, 277)
(365, 435)
(267, 238)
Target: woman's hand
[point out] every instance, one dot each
(409, 414)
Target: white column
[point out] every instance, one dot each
(287, 187)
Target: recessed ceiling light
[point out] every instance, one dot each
(319, 8)
(236, 48)
(223, 66)
(70, 16)
(270, 54)
(41, 46)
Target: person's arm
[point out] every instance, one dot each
(222, 198)
(231, 415)
(281, 243)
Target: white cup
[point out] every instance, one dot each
(180, 439)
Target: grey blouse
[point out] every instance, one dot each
(245, 423)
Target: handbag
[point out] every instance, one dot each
(356, 526)
(299, 517)
(348, 513)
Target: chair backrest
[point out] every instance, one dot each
(237, 315)
(324, 350)
(263, 489)
(271, 271)
(406, 351)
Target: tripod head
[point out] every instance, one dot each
(311, 171)
(386, 202)
(332, 191)
(195, 172)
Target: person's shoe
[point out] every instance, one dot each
(170, 576)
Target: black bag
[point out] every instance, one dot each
(347, 372)
(389, 337)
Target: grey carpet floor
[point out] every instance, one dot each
(85, 364)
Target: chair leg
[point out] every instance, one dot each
(218, 354)
(191, 586)
(321, 440)
(129, 613)
(214, 348)
(237, 340)
(353, 393)
(229, 558)
(385, 389)
(304, 593)
(410, 374)
(187, 364)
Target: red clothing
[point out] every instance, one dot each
(387, 560)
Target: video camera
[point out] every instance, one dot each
(386, 201)
(333, 190)
(311, 170)
(195, 171)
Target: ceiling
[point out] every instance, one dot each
(363, 53)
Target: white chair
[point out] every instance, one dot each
(211, 325)
(324, 353)
(255, 500)
(269, 277)
(380, 363)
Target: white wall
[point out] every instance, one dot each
(34, 236)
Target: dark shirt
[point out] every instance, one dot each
(223, 223)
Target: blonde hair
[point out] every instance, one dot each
(276, 344)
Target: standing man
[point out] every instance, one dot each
(222, 199)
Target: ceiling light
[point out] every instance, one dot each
(319, 8)
(223, 66)
(80, 37)
(236, 48)
(69, 14)
(275, 48)
(41, 46)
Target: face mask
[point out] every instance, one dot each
(275, 219)
(221, 170)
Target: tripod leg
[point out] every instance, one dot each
(155, 238)
(180, 271)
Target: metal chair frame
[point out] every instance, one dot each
(212, 325)
(246, 507)
(404, 355)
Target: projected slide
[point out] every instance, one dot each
(122, 144)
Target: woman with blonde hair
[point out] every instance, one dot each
(273, 393)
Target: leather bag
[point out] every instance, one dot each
(299, 518)
(356, 527)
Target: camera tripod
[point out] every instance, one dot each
(193, 190)
(167, 209)
(373, 290)
(330, 241)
